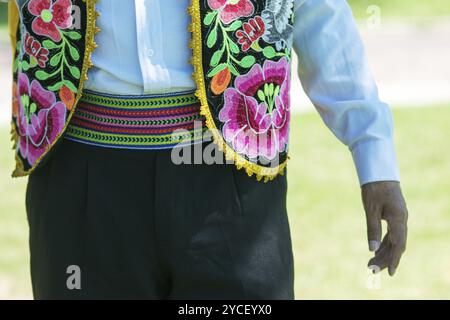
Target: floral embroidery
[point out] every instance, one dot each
(15, 101)
(277, 16)
(40, 118)
(221, 81)
(67, 97)
(253, 30)
(34, 49)
(256, 112)
(247, 55)
(50, 17)
(50, 66)
(231, 10)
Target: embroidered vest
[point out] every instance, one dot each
(241, 58)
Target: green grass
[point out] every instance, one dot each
(3, 34)
(402, 8)
(326, 214)
(327, 217)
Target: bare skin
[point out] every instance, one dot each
(384, 201)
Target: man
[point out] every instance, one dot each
(97, 131)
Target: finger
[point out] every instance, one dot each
(381, 259)
(374, 229)
(398, 237)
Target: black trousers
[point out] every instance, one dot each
(126, 224)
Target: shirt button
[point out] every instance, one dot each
(150, 52)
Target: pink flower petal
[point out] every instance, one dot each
(275, 72)
(35, 7)
(35, 152)
(23, 86)
(216, 4)
(231, 12)
(38, 127)
(43, 98)
(57, 118)
(23, 146)
(62, 13)
(48, 29)
(249, 83)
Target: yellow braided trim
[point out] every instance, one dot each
(13, 22)
(92, 16)
(197, 61)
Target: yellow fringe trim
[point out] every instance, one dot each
(197, 61)
(91, 31)
(13, 22)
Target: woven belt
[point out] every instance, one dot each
(137, 122)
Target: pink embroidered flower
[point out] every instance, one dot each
(231, 10)
(252, 31)
(35, 50)
(40, 118)
(256, 112)
(50, 17)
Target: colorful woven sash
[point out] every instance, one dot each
(137, 122)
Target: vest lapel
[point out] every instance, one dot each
(53, 43)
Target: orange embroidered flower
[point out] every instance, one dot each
(67, 97)
(221, 81)
(15, 101)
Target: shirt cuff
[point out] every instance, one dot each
(376, 161)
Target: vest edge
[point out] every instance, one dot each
(90, 45)
(251, 168)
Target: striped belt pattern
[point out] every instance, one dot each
(137, 122)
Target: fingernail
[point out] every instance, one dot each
(374, 245)
(374, 268)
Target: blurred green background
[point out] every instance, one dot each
(326, 214)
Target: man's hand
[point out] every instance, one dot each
(384, 200)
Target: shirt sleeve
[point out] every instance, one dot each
(335, 75)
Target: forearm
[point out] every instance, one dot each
(334, 72)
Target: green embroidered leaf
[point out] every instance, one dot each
(269, 52)
(234, 48)
(75, 72)
(73, 35)
(55, 60)
(42, 75)
(33, 62)
(271, 89)
(233, 70)
(216, 70)
(212, 38)
(261, 95)
(74, 54)
(48, 44)
(266, 89)
(209, 18)
(16, 64)
(24, 65)
(277, 91)
(33, 107)
(70, 85)
(247, 62)
(56, 86)
(234, 26)
(216, 58)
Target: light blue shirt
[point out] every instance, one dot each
(143, 48)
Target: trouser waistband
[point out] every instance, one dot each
(137, 122)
